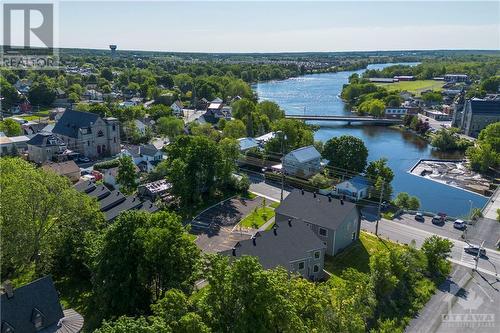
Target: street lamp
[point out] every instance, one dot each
(470, 209)
(283, 138)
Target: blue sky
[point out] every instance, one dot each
(264, 26)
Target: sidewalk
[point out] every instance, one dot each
(490, 210)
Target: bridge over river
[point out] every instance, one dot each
(349, 119)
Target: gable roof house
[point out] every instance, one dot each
(68, 169)
(177, 108)
(355, 188)
(45, 147)
(303, 162)
(216, 111)
(336, 222)
(290, 244)
(35, 307)
(89, 134)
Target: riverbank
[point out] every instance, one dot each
(319, 94)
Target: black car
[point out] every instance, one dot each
(438, 220)
(472, 249)
(419, 217)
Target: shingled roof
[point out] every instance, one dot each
(36, 300)
(287, 242)
(316, 209)
(71, 122)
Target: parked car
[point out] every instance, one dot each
(460, 225)
(419, 217)
(473, 249)
(439, 220)
(83, 159)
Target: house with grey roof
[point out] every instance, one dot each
(290, 244)
(335, 222)
(303, 162)
(355, 188)
(45, 147)
(35, 307)
(89, 134)
(479, 113)
(113, 203)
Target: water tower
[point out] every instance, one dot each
(113, 49)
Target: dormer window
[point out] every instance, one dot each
(100, 133)
(7, 328)
(37, 318)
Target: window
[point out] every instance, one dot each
(323, 232)
(114, 139)
(100, 133)
(301, 265)
(317, 254)
(114, 127)
(37, 319)
(88, 143)
(316, 269)
(353, 236)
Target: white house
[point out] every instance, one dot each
(355, 188)
(146, 157)
(303, 162)
(141, 127)
(177, 108)
(247, 143)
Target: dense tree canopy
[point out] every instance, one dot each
(347, 153)
(42, 215)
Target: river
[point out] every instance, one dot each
(319, 94)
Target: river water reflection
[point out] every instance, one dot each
(318, 94)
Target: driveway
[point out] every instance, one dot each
(213, 226)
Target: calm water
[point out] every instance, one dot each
(319, 94)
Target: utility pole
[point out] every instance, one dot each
(379, 208)
(478, 255)
(282, 170)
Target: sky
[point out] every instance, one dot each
(279, 26)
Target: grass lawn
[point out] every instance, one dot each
(274, 204)
(29, 118)
(357, 255)
(257, 218)
(415, 87)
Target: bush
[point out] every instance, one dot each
(243, 184)
(320, 181)
(107, 164)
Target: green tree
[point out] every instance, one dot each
(170, 126)
(42, 214)
(346, 153)
(107, 74)
(437, 249)
(9, 94)
(482, 157)
(229, 151)
(271, 110)
(374, 107)
(194, 163)
(298, 134)
(413, 203)
(319, 181)
(140, 257)
(234, 129)
(244, 109)
(379, 172)
(11, 127)
(491, 135)
(42, 93)
(136, 325)
(126, 177)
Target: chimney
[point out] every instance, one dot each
(275, 229)
(9, 291)
(253, 241)
(341, 201)
(329, 199)
(234, 252)
(290, 222)
(314, 194)
(302, 191)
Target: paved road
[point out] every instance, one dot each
(490, 211)
(266, 190)
(406, 234)
(466, 302)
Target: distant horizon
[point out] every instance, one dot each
(279, 27)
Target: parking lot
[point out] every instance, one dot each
(213, 226)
